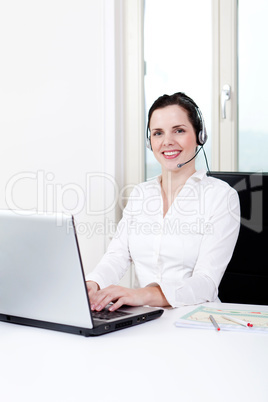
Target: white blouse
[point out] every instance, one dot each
(186, 252)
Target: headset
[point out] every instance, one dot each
(202, 135)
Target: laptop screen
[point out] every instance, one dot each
(41, 274)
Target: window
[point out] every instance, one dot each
(178, 57)
(252, 85)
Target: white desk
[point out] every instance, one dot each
(152, 362)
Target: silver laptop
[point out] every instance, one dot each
(42, 281)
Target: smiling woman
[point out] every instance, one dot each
(176, 128)
(173, 266)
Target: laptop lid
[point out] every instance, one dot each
(41, 276)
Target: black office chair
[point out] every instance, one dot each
(246, 277)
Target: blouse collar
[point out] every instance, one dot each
(197, 176)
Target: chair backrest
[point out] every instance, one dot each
(246, 277)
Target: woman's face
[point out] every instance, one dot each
(173, 137)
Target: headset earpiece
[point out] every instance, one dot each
(148, 143)
(148, 138)
(202, 136)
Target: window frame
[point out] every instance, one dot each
(225, 71)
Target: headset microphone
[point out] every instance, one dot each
(182, 164)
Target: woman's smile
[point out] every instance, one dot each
(171, 154)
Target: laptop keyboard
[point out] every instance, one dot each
(108, 315)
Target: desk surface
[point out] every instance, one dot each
(152, 362)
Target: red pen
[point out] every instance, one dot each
(214, 322)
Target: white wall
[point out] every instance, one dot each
(52, 92)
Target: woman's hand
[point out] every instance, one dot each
(119, 295)
(92, 288)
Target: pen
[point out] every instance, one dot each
(212, 319)
(237, 321)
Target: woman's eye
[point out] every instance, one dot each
(156, 133)
(180, 130)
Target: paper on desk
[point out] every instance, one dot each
(199, 319)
